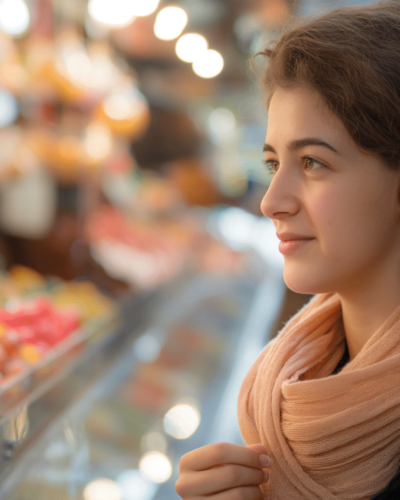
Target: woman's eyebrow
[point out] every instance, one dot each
(301, 143)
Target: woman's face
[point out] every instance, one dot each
(344, 199)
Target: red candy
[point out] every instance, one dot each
(31, 330)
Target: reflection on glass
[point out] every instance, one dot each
(8, 108)
(16, 428)
(237, 227)
(147, 348)
(155, 466)
(14, 17)
(102, 489)
(153, 441)
(135, 487)
(181, 421)
(170, 23)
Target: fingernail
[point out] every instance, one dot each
(266, 477)
(265, 460)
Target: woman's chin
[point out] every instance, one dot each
(305, 284)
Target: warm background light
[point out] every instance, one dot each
(113, 13)
(102, 489)
(14, 17)
(208, 64)
(104, 73)
(124, 104)
(181, 421)
(97, 142)
(74, 62)
(189, 46)
(142, 8)
(170, 23)
(156, 467)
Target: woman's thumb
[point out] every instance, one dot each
(258, 447)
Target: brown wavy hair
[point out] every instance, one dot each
(351, 57)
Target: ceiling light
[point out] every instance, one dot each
(170, 23)
(14, 17)
(190, 46)
(113, 13)
(208, 64)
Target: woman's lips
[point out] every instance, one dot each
(290, 246)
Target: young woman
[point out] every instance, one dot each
(323, 398)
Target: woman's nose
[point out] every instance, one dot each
(281, 197)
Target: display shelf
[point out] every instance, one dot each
(27, 386)
(197, 338)
(30, 400)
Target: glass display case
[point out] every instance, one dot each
(114, 424)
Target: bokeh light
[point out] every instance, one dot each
(181, 421)
(189, 46)
(238, 227)
(156, 467)
(78, 66)
(14, 17)
(143, 8)
(93, 69)
(147, 347)
(104, 73)
(113, 13)
(153, 441)
(221, 126)
(97, 142)
(208, 64)
(170, 23)
(8, 108)
(135, 487)
(102, 489)
(124, 104)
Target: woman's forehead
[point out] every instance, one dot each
(300, 112)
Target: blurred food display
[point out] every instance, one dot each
(38, 314)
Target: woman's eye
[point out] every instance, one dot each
(312, 164)
(272, 166)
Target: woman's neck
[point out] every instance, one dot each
(366, 311)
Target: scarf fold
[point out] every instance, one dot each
(332, 437)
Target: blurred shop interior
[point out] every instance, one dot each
(138, 277)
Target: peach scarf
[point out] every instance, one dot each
(331, 436)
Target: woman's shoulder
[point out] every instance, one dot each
(391, 490)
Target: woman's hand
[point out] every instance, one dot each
(223, 471)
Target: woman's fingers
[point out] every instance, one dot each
(262, 449)
(247, 493)
(222, 471)
(218, 479)
(216, 454)
(258, 447)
